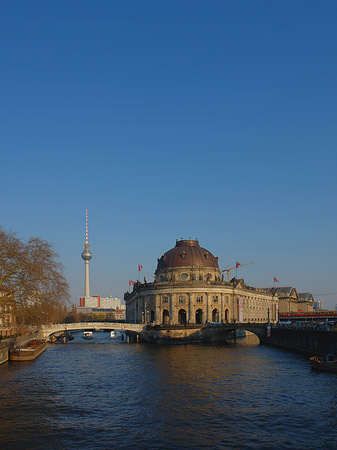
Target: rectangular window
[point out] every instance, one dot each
(181, 299)
(215, 299)
(199, 299)
(165, 299)
(226, 299)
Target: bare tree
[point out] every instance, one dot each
(32, 278)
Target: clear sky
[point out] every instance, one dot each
(209, 119)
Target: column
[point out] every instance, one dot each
(170, 307)
(145, 310)
(188, 307)
(157, 309)
(221, 308)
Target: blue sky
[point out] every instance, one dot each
(214, 120)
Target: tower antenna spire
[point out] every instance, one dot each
(86, 255)
(86, 225)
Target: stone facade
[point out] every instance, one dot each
(189, 289)
(291, 301)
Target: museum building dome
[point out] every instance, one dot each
(187, 253)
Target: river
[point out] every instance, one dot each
(107, 394)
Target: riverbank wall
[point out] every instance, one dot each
(319, 342)
(3, 354)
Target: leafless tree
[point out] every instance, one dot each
(31, 277)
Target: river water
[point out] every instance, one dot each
(107, 394)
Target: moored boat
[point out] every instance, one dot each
(88, 335)
(27, 352)
(65, 337)
(329, 364)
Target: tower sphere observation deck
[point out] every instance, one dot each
(86, 254)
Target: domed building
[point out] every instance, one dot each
(189, 290)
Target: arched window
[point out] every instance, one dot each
(226, 315)
(198, 316)
(151, 316)
(166, 317)
(182, 316)
(215, 315)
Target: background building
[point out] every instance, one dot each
(318, 305)
(291, 301)
(101, 308)
(7, 317)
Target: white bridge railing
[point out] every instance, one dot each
(47, 330)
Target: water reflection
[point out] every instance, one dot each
(99, 394)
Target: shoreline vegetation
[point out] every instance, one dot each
(33, 288)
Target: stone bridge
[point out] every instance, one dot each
(203, 332)
(57, 328)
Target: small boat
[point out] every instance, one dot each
(27, 352)
(88, 335)
(53, 339)
(327, 364)
(65, 337)
(69, 336)
(113, 334)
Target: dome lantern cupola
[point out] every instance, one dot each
(187, 254)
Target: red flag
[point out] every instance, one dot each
(237, 264)
(131, 283)
(140, 267)
(276, 280)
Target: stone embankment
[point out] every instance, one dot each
(313, 341)
(3, 354)
(7, 344)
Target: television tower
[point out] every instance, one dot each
(86, 255)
